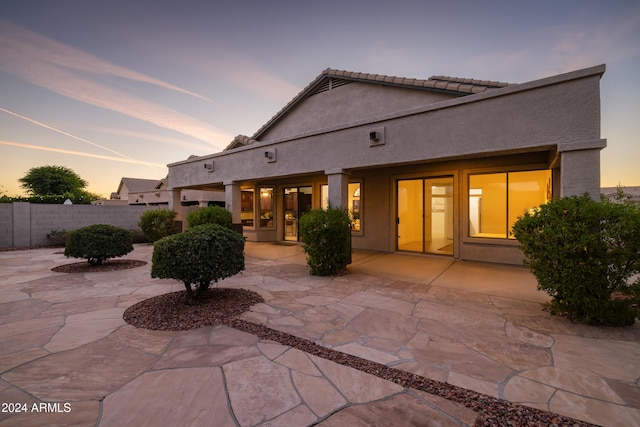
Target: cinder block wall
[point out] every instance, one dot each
(25, 224)
(6, 225)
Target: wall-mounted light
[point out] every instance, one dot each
(270, 155)
(209, 166)
(376, 136)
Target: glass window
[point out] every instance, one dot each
(246, 208)
(496, 200)
(324, 196)
(354, 202)
(527, 191)
(266, 207)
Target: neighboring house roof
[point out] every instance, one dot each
(163, 182)
(331, 78)
(630, 193)
(138, 185)
(239, 141)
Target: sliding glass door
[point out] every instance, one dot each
(297, 202)
(410, 215)
(425, 215)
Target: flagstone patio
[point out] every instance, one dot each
(473, 325)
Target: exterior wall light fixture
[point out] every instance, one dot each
(376, 136)
(270, 155)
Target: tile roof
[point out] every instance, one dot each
(239, 141)
(139, 185)
(630, 193)
(449, 84)
(453, 85)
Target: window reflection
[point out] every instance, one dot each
(354, 202)
(354, 205)
(246, 211)
(497, 200)
(266, 207)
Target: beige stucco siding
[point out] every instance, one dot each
(349, 104)
(505, 120)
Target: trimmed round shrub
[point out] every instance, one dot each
(98, 242)
(210, 215)
(198, 256)
(326, 235)
(158, 223)
(585, 254)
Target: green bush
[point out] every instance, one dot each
(77, 198)
(584, 254)
(57, 237)
(158, 223)
(210, 215)
(326, 235)
(137, 236)
(98, 242)
(198, 256)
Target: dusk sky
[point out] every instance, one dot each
(116, 89)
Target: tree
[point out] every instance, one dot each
(52, 180)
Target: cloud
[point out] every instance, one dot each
(67, 71)
(83, 154)
(248, 75)
(220, 62)
(58, 54)
(562, 48)
(152, 137)
(64, 133)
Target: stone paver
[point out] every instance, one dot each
(478, 326)
(259, 390)
(173, 397)
(387, 412)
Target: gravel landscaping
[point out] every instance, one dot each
(107, 265)
(168, 312)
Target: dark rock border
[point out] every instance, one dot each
(491, 411)
(223, 306)
(108, 265)
(169, 312)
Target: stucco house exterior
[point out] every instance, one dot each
(155, 192)
(428, 166)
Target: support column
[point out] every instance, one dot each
(175, 204)
(232, 200)
(338, 180)
(580, 169)
(174, 201)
